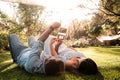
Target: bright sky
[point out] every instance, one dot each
(63, 11)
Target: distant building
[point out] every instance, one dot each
(110, 40)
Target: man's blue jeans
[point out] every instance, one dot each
(16, 46)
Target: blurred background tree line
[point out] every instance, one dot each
(25, 22)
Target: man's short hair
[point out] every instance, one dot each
(54, 68)
(88, 66)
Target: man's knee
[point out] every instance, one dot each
(12, 35)
(31, 41)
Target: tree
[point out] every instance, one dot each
(77, 29)
(28, 16)
(110, 7)
(4, 30)
(108, 14)
(95, 30)
(111, 10)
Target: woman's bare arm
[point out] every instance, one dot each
(52, 49)
(59, 42)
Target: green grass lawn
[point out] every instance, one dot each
(107, 59)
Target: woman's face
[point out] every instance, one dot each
(74, 63)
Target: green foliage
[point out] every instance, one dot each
(3, 40)
(28, 16)
(95, 30)
(2, 15)
(80, 43)
(77, 29)
(108, 14)
(111, 8)
(11, 23)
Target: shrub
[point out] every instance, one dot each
(4, 41)
(80, 43)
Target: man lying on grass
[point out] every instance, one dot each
(32, 59)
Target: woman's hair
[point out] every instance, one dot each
(88, 66)
(54, 67)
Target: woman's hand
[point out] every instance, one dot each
(53, 51)
(59, 42)
(52, 41)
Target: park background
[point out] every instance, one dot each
(93, 28)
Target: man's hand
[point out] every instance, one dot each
(55, 25)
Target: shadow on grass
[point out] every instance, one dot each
(117, 68)
(2, 67)
(10, 71)
(97, 76)
(112, 72)
(16, 73)
(4, 55)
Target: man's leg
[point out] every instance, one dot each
(31, 41)
(16, 46)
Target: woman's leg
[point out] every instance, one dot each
(16, 46)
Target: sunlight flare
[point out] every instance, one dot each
(63, 11)
(6, 61)
(9, 67)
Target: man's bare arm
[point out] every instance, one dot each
(45, 34)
